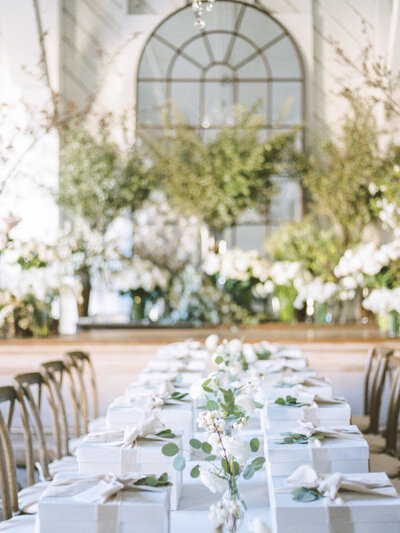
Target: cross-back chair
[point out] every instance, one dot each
(82, 370)
(376, 371)
(31, 386)
(58, 376)
(386, 457)
(15, 501)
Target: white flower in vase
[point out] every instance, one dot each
(246, 403)
(238, 448)
(211, 481)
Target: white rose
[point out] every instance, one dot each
(249, 353)
(246, 403)
(238, 448)
(196, 390)
(234, 346)
(212, 342)
(211, 481)
(256, 526)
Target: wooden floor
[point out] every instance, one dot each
(338, 352)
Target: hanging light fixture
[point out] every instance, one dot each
(198, 8)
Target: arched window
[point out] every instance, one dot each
(244, 56)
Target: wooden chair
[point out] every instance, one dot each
(374, 381)
(82, 371)
(58, 376)
(15, 501)
(387, 458)
(31, 386)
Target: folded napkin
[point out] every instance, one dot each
(346, 432)
(279, 364)
(330, 485)
(95, 489)
(128, 437)
(293, 380)
(306, 397)
(148, 377)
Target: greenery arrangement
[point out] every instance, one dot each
(318, 250)
(218, 179)
(99, 181)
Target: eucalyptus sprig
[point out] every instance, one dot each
(299, 438)
(154, 481)
(306, 494)
(179, 396)
(289, 401)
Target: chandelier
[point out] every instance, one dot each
(198, 7)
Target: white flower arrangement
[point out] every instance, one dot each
(139, 273)
(317, 290)
(238, 265)
(382, 301)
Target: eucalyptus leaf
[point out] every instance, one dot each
(195, 443)
(254, 445)
(179, 463)
(195, 472)
(206, 447)
(170, 449)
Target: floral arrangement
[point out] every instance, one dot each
(177, 238)
(226, 398)
(143, 280)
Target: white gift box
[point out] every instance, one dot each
(140, 511)
(349, 455)
(351, 513)
(144, 457)
(178, 416)
(183, 377)
(281, 418)
(174, 365)
(270, 377)
(274, 391)
(191, 350)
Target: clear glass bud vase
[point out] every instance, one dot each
(235, 507)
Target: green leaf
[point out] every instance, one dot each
(149, 481)
(195, 443)
(236, 468)
(206, 447)
(170, 449)
(195, 472)
(179, 463)
(210, 458)
(258, 405)
(248, 472)
(166, 434)
(219, 360)
(163, 478)
(304, 494)
(212, 405)
(280, 401)
(254, 445)
(225, 466)
(258, 463)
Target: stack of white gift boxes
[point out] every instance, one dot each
(122, 470)
(317, 464)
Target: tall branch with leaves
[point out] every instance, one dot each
(218, 179)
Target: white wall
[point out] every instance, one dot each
(35, 163)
